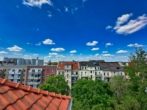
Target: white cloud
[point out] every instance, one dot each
(48, 42)
(105, 52)
(3, 52)
(39, 44)
(60, 56)
(17, 53)
(97, 55)
(132, 26)
(84, 1)
(121, 20)
(36, 3)
(28, 43)
(49, 15)
(108, 27)
(135, 45)
(109, 44)
(73, 51)
(47, 57)
(35, 54)
(58, 49)
(107, 55)
(15, 48)
(66, 9)
(91, 43)
(53, 54)
(94, 49)
(122, 51)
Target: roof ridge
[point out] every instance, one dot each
(30, 89)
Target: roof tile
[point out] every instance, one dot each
(14, 96)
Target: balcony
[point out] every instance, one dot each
(73, 81)
(37, 83)
(10, 77)
(84, 76)
(11, 72)
(107, 76)
(98, 75)
(74, 75)
(30, 83)
(17, 72)
(30, 77)
(37, 77)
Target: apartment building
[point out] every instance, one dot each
(21, 61)
(94, 69)
(70, 70)
(27, 75)
(14, 73)
(110, 69)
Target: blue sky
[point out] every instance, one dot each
(72, 29)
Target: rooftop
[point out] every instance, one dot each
(14, 96)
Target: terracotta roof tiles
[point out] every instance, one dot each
(14, 96)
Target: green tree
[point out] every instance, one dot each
(49, 63)
(56, 84)
(90, 93)
(55, 63)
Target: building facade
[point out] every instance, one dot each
(27, 75)
(94, 69)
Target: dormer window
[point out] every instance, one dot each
(117, 68)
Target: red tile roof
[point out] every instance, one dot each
(14, 96)
(74, 65)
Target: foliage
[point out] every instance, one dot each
(56, 84)
(50, 63)
(90, 93)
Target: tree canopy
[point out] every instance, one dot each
(90, 93)
(56, 84)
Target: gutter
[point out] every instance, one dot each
(70, 105)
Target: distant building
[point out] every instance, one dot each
(21, 61)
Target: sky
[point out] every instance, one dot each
(65, 30)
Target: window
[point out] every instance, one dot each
(108, 74)
(85, 67)
(117, 68)
(67, 75)
(121, 74)
(52, 71)
(91, 71)
(76, 73)
(95, 67)
(104, 73)
(58, 72)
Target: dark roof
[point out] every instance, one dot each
(14, 96)
(83, 63)
(110, 66)
(93, 63)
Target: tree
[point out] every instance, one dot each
(90, 93)
(56, 84)
(131, 93)
(55, 63)
(50, 63)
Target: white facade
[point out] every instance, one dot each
(34, 77)
(14, 75)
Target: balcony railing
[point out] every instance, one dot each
(10, 77)
(11, 72)
(37, 77)
(30, 83)
(36, 83)
(74, 75)
(98, 75)
(83, 76)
